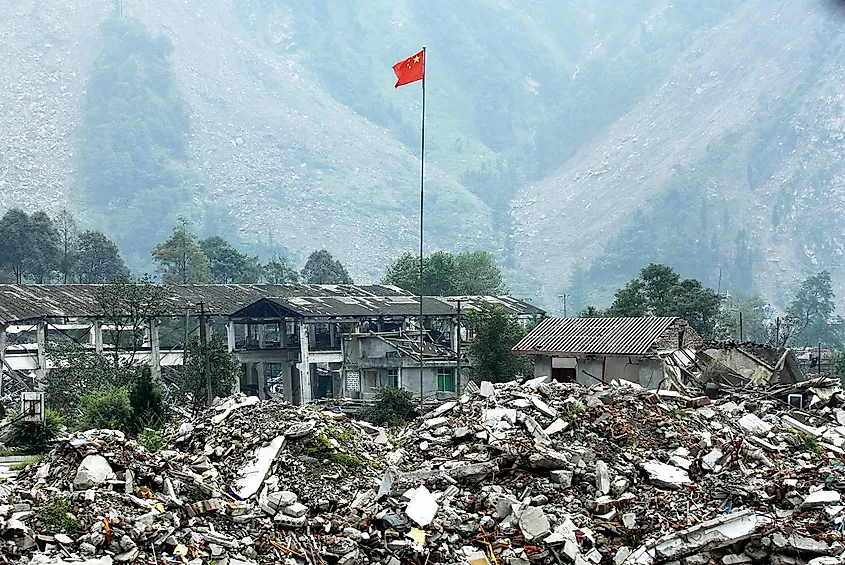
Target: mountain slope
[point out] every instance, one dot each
(578, 141)
(744, 111)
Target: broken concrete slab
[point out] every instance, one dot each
(602, 477)
(422, 507)
(713, 534)
(666, 476)
(486, 389)
(821, 498)
(253, 474)
(533, 523)
(754, 425)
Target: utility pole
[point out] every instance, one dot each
(205, 359)
(820, 359)
(562, 303)
(458, 353)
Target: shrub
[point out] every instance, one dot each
(108, 408)
(57, 513)
(393, 407)
(152, 440)
(146, 400)
(34, 437)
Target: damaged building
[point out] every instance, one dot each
(300, 342)
(599, 350)
(654, 352)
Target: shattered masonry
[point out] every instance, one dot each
(517, 474)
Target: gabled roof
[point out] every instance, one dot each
(344, 307)
(597, 336)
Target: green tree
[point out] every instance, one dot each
(591, 312)
(322, 268)
(754, 327)
(661, 292)
(146, 397)
(478, 274)
(97, 259)
(191, 381)
(445, 274)
(43, 258)
(496, 332)
(180, 259)
(227, 264)
(66, 228)
(810, 316)
(16, 235)
(278, 271)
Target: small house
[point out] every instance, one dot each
(599, 350)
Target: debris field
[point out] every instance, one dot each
(516, 473)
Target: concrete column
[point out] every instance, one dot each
(98, 336)
(41, 339)
(399, 384)
(2, 357)
(304, 364)
(262, 381)
(333, 334)
(287, 381)
(155, 352)
(283, 333)
(262, 335)
(230, 335)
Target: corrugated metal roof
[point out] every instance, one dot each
(20, 303)
(510, 304)
(348, 306)
(594, 336)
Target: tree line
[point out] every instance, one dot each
(39, 249)
(809, 319)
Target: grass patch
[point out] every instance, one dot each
(678, 412)
(20, 466)
(57, 513)
(342, 436)
(811, 442)
(319, 446)
(152, 440)
(573, 409)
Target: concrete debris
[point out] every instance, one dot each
(514, 474)
(92, 472)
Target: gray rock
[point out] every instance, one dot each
(93, 471)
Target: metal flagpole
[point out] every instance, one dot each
(422, 202)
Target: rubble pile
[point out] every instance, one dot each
(520, 473)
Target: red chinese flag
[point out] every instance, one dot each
(410, 70)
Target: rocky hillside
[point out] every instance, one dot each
(578, 143)
(734, 163)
